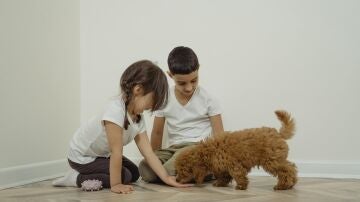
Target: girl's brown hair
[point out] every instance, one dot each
(151, 78)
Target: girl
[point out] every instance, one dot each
(97, 147)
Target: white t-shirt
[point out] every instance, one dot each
(90, 140)
(191, 122)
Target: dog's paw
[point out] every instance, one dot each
(283, 187)
(220, 184)
(239, 187)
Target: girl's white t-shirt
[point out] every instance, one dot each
(190, 122)
(90, 140)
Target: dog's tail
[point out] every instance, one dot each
(288, 124)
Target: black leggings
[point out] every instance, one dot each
(99, 170)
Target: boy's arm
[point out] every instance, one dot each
(216, 124)
(145, 149)
(114, 135)
(157, 133)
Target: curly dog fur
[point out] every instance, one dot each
(231, 155)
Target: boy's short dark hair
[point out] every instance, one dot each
(182, 60)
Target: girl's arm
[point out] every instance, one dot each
(157, 133)
(216, 124)
(144, 146)
(114, 136)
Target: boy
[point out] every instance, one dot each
(190, 116)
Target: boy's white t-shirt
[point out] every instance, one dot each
(90, 140)
(190, 122)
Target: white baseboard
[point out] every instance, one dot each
(25, 174)
(317, 169)
(20, 175)
(341, 170)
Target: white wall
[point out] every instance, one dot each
(39, 87)
(256, 56)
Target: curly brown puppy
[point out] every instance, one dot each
(233, 154)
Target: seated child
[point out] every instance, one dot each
(96, 150)
(190, 116)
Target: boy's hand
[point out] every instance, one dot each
(122, 189)
(171, 180)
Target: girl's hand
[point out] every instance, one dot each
(171, 180)
(122, 189)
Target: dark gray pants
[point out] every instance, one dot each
(99, 170)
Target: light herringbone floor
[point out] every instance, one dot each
(260, 189)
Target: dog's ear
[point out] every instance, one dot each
(199, 174)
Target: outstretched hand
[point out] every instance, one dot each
(122, 189)
(171, 180)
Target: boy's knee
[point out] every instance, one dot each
(146, 173)
(170, 168)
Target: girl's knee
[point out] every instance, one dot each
(126, 176)
(135, 175)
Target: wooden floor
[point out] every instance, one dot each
(260, 189)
